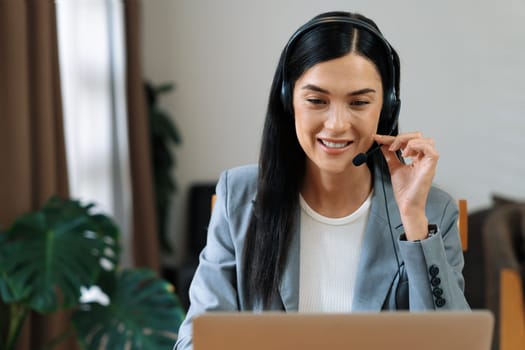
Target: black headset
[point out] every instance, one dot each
(390, 112)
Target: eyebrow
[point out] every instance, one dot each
(353, 93)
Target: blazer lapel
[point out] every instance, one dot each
(378, 266)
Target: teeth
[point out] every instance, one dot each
(334, 144)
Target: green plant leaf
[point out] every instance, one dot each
(163, 126)
(47, 255)
(143, 314)
(164, 134)
(164, 88)
(5, 292)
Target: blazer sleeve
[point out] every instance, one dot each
(214, 284)
(434, 265)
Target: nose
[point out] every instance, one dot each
(338, 118)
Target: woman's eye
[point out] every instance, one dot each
(315, 101)
(359, 103)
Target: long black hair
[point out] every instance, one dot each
(282, 160)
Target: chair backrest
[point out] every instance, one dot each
(512, 311)
(503, 245)
(213, 199)
(463, 223)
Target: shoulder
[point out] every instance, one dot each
(240, 177)
(242, 174)
(440, 205)
(439, 196)
(238, 184)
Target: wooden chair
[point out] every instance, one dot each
(512, 311)
(502, 230)
(463, 223)
(213, 199)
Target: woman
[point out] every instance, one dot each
(312, 230)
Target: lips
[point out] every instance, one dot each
(334, 144)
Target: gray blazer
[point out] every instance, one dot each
(428, 276)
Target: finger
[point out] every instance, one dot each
(384, 139)
(397, 142)
(423, 147)
(401, 140)
(391, 158)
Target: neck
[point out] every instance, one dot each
(336, 194)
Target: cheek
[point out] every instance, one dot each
(301, 130)
(373, 123)
(304, 122)
(375, 126)
(367, 125)
(305, 129)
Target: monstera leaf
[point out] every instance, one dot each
(46, 256)
(5, 292)
(143, 313)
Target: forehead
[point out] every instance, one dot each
(348, 71)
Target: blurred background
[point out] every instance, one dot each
(462, 82)
(138, 106)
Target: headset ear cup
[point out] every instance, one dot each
(384, 122)
(286, 98)
(389, 117)
(283, 96)
(396, 107)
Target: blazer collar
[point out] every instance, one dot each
(377, 267)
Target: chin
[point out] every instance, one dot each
(336, 169)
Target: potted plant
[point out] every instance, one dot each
(164, 134)
(65, 257)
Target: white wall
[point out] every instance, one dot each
(463, 82)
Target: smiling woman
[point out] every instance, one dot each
(307, 229)
(337, 104)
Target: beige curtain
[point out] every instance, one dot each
(32, 154)
(145, 243)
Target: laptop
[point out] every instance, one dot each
(450, 330)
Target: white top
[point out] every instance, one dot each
(330, 250)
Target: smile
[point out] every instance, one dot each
(336, 145)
